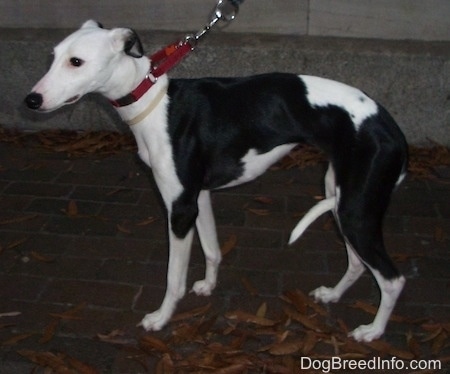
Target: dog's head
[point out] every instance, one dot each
(86, 61)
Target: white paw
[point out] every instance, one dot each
(203, 287)
(154, 321)
(366, 333)
(325, 295)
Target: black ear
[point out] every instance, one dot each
(133, 46)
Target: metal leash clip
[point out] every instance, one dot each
(225, 10)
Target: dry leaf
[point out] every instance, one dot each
(298, 299)
(343, 326)
(205, 326)
(71, 314)
(287, 347)
(281, 337)
(47, 360)
(368, 308)
(438, 343)
(42, 258)
(16, 339)
(184, 333)
(436, 326)
(6, 325)
(251, 289)
(151, 343)
(387, 349)
(262, 310)
(264, 200)
(232, 369)
(413, 344)
(146, 222)
(58, 363)
(352, 347)
(439, 235)
(259, 212)
(81, 367)
(310, 342)
(123, 229)
(114, 337)
(16, 243)
(117, 190)
(72, 209)
(229, 245)
(433, 334)
(49, 332)
(309, 323)
(245, 317)
(165, 365)
(335, 345)
(19, 219)
(191, 313)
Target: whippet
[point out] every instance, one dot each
(199, 135)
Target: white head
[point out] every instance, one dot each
(92, 59)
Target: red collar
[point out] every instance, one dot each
(160, 62)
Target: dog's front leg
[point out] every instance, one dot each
(179, 253)
(206, 228)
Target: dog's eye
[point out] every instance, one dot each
(77, 62)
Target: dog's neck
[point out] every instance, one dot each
(127, 78)
(140, 109)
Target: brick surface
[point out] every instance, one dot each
(110, 255)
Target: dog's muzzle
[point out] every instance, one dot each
(34, 100)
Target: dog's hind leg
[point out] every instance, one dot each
(360, 211)
(354, 271)
(179, 253)
(390, 291)
(355, 266)
(206, 229)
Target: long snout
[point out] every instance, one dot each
(34, 100)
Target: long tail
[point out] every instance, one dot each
(316, 211)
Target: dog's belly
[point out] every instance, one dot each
(255, 164)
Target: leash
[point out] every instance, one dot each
(168, 57)
(165, 59)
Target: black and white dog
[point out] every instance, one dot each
(203, 134)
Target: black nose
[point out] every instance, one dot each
(34, 100)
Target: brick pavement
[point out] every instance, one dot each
(90, 232)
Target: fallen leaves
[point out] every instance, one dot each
(301, 157)
(191, 313)
(150, 344)
(267, 339)
(72, 209)
(259, 212)
(229, 245)
(59, 363)
(71, 314)
(274, 340)
(74, 143)
(18, 219)
(422, 164)
(16, 339)
(40, 257)
(423, 161)
(127, 227)
(241, 316)
(249, 287)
